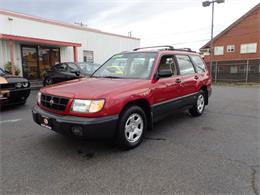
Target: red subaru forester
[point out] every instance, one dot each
(126, 95)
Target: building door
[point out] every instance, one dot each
(30, 62)
(47, 58)
(37, 60)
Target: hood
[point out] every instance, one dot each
(12, 78)
(89, 88)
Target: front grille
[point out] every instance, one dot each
(54, 102)
(7, 86)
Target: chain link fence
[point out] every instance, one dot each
(242, 71)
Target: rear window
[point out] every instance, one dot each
(199, 65)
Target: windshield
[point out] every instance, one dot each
(128, 65)
(2, 71)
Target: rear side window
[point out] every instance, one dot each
(185, 65)
(199, 65)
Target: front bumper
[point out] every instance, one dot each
(102, 127)
(14, 96)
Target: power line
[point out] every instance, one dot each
(202, 40)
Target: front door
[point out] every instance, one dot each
(30, 62)
(166, 91)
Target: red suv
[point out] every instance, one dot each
(126, 95)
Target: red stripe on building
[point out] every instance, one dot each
(38, 40)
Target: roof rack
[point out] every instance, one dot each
(185, 49)
(166, 47)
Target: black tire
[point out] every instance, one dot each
(196, 110)
(48, 81)
(121, 138)
(23, 102)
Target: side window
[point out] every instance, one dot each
(72, 67)
(199, 65)
(61, 67)
(167, 62)
(185, 65)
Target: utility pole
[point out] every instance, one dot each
(206, 4)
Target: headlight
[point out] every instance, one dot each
(39, 97)
(19, 85)
(88, 106)
(25, 84)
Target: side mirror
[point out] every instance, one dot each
(165, 73)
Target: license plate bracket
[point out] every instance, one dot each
(46, 122)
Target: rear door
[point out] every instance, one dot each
(201, 70)
(188, 78)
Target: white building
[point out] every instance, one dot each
(33, 44)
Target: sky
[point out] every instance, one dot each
(181, 23)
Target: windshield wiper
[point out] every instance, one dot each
(112, 77)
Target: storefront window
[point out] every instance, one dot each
(37, 60)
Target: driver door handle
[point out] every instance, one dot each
(178, 80)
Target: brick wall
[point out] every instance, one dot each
(247, 31)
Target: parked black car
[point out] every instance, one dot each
(68, 71)
(13, 89)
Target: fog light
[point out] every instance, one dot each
(77, 130)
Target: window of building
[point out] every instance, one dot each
(248, 48)
(220, 69)
(218, 50)
(199, 65)
(230, 48)
(185, 65)
(252, 68)
(233, 69)
(242, 69)
(88, 56)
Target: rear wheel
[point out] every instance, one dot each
(199, 105)
(131, 127)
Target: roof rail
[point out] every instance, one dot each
(185, 49)
(167, 47)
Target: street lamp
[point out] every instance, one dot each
(206, 4)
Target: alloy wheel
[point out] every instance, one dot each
(200, 103)
(134, 127)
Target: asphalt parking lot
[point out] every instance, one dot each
(217, 153)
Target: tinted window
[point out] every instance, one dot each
(61, 67)
(200, 66)
(2, 71)
(72, 67)
(185, 65)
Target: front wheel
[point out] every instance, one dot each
(199, 105)
(131, 127)
(48, 81)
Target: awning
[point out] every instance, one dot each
(38, 40)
